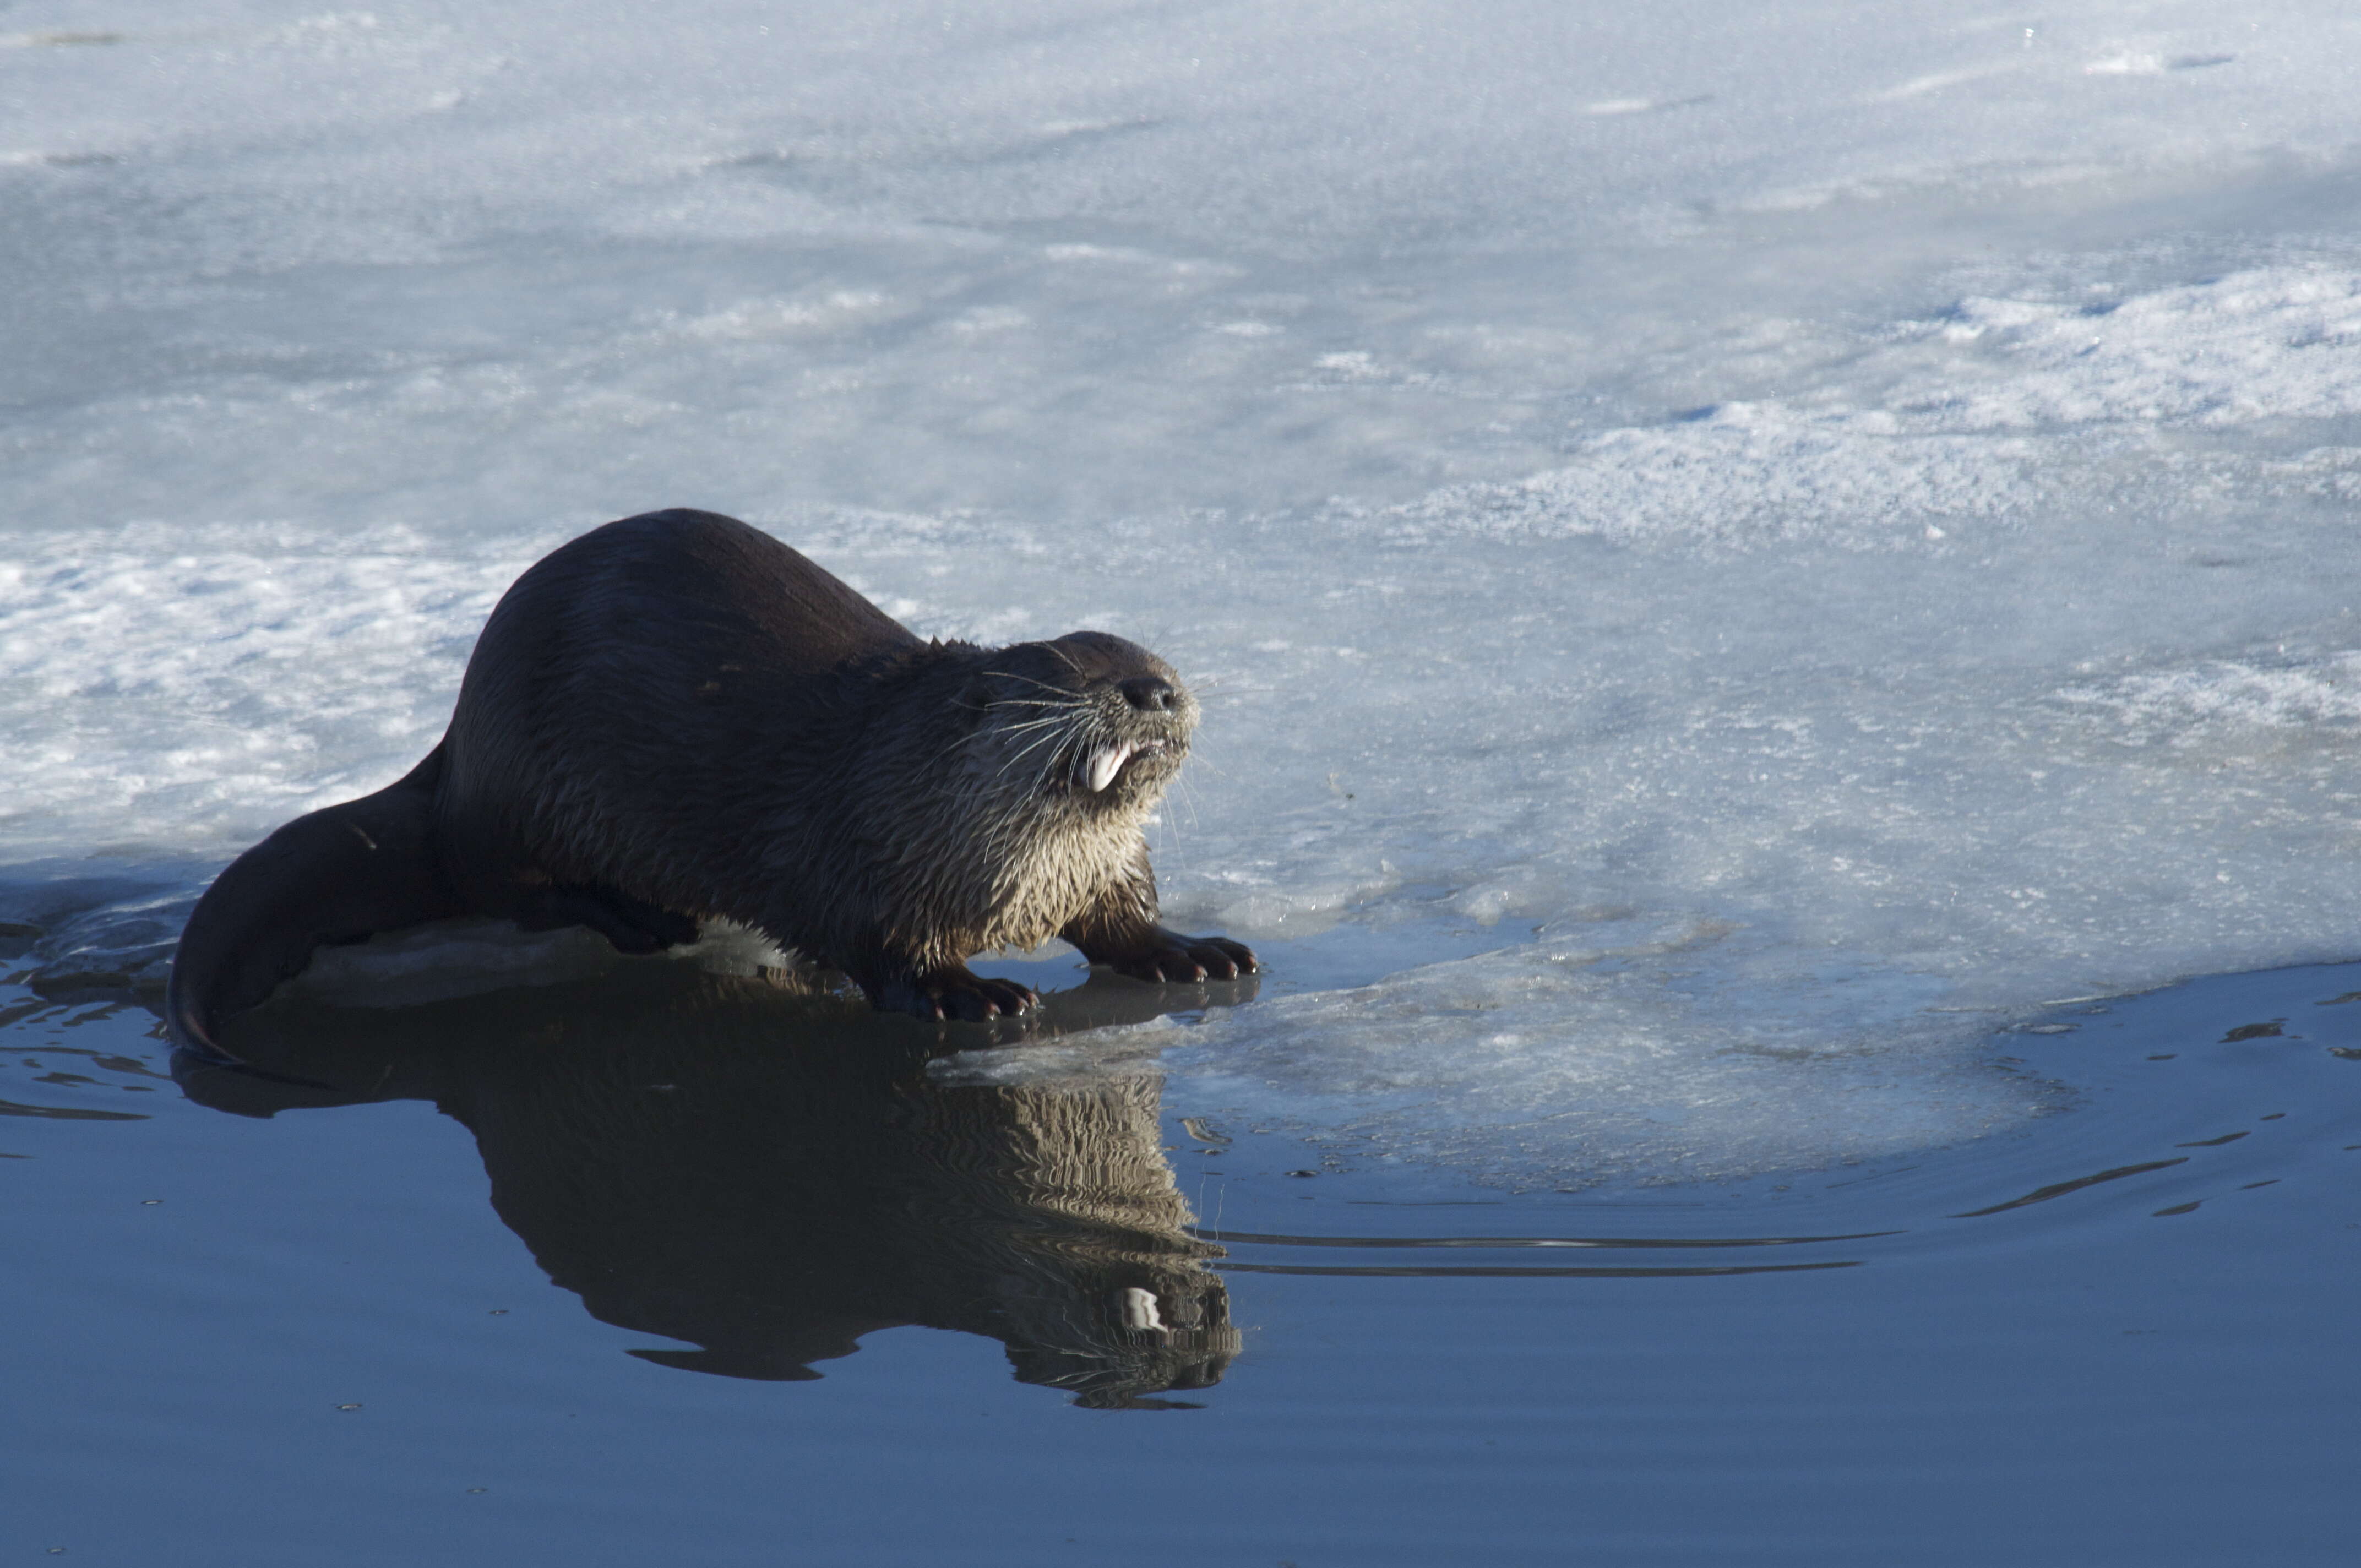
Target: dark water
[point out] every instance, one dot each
(260, 1323)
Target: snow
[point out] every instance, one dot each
(1826, 525)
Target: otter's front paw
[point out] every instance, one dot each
(956, 993)
(1173, 956)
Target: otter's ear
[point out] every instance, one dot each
(976, 695)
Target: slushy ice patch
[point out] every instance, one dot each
(2001, 411)
(1618, 1052)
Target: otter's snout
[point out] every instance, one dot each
(1106, 716)
(1149, 694)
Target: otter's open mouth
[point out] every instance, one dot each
(1107, 761)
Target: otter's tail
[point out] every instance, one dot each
(337, 875)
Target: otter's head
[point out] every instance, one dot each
(1087, 718)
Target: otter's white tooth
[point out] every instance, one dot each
(1107, 763)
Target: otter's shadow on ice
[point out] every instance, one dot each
(771, 1177)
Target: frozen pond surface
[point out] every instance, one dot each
(1732, 553)
(1830, 519)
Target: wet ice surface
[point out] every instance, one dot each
(310, 1335)
(1836, 554)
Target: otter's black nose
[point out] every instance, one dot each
(1149, 694)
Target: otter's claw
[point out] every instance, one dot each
(970, 998)
(1177, 957)
(976, 999)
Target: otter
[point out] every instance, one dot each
(676, 717)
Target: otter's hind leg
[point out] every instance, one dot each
(340, 874)
(631, 924)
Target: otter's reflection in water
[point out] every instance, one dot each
(770, 1176)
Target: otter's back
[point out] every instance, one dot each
(631, 686)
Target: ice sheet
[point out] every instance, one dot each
(1838, 516)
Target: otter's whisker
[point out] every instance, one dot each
(1002, 771)
(1051, 733)
(1088, 738)
(1037, 724)
(1206, 691)
(1188, 796)
(1045, 685)
(1032, 746)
